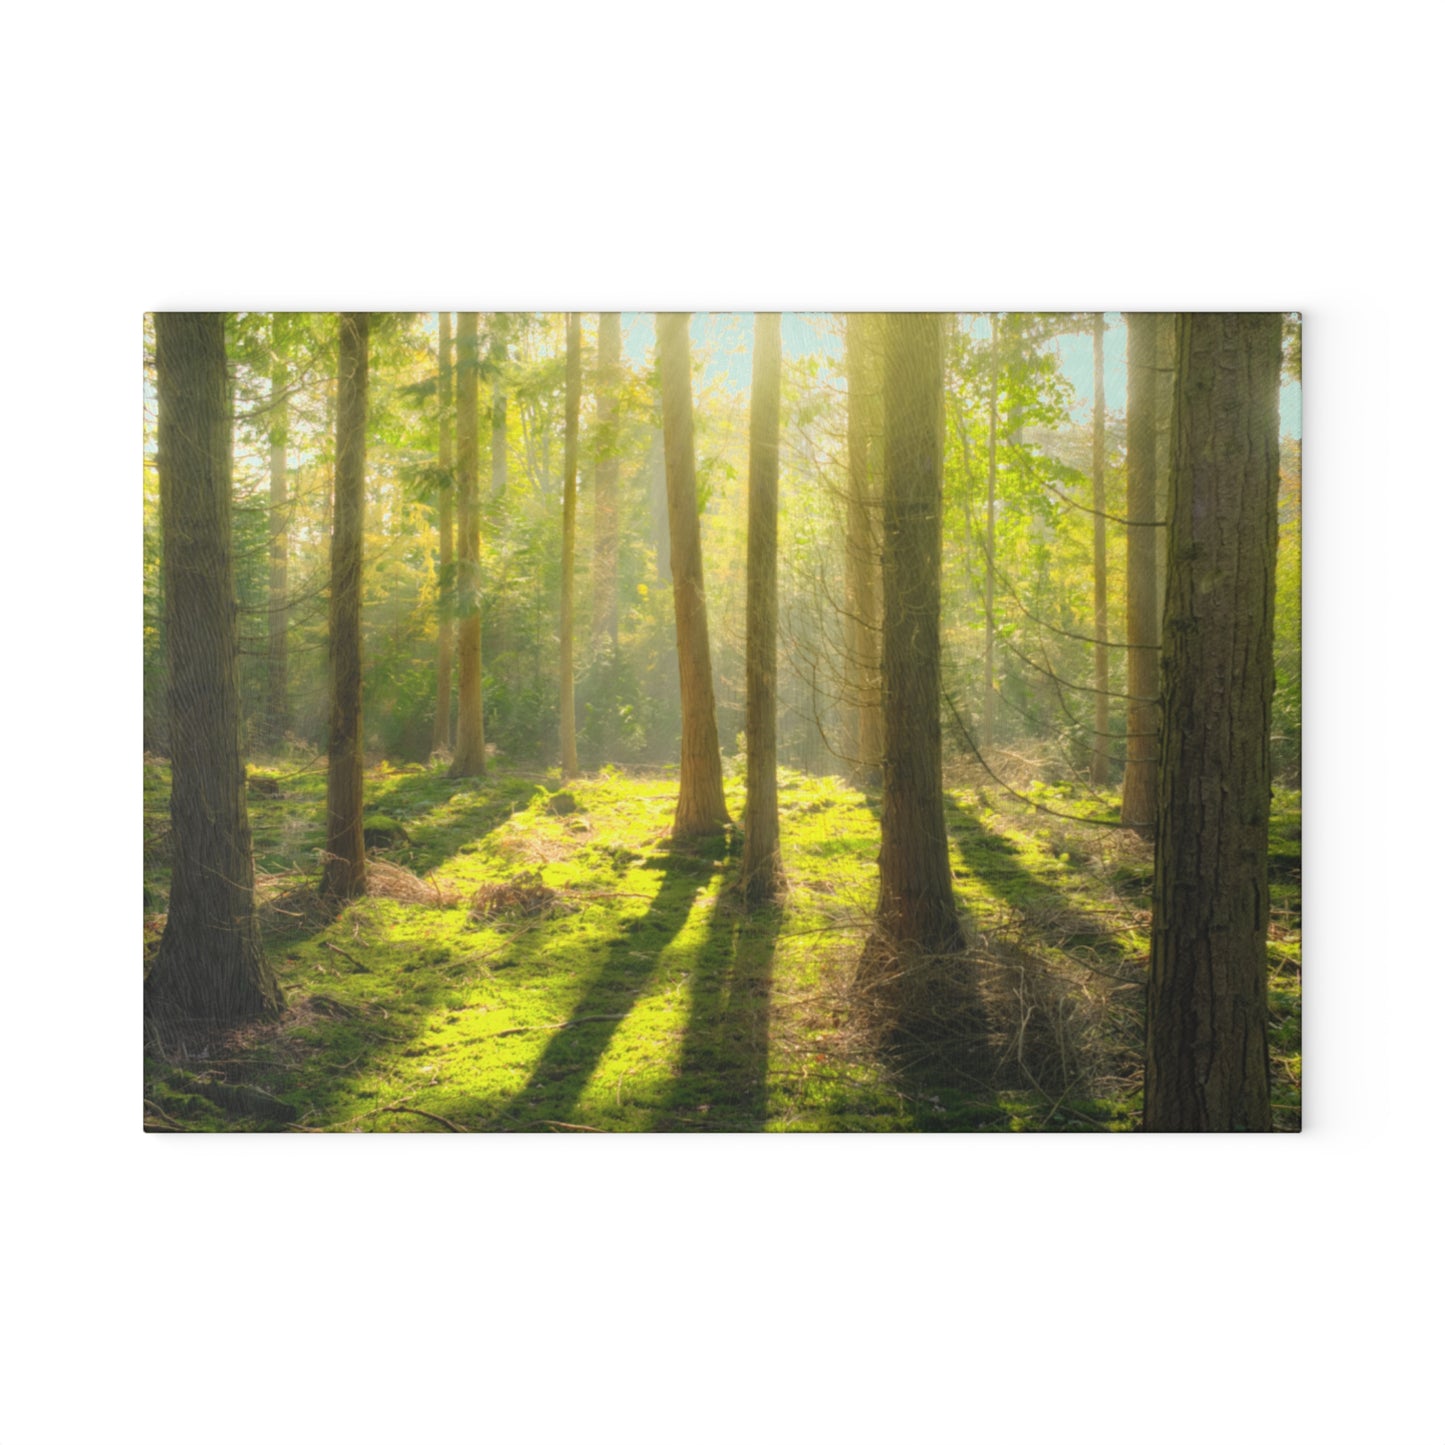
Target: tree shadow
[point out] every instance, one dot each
(630, 963)
(722, 1076)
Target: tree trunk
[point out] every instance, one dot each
(446, 566)
(497, 355)
(915, 884)
(604, 538)
(569, 539)
(1206, 1064)
(1099, 761)
(863, 584)
(1166, 351)
(989, 703)
(278, 717)
(701, 807)
(470, 759)
(1141, 772)
(762, 866)
(344, 875)
(210, 969)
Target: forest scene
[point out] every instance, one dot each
(591, 722)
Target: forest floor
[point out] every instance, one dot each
(534, 957)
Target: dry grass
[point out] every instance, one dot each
(524, 895)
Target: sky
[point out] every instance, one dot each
(724, 340)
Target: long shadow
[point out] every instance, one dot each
(996, 862)
(629, 964)
(722, 1077)
(431, 842)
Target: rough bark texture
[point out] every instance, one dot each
(1099, 761)
(344, 874)
(1141, 772)
(604, 536)
(470, 759)
(915, 884)
(762, 865)
(863, 582)
(210, 969)
(701, 807)
(1206, 1064)
(278, 713)
(446, 564)
(569, 540)
(497, 355)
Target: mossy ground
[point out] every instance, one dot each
(643, 997)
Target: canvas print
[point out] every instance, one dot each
(593, 722)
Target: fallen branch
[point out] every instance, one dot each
(426, 1114)
(358, 966)
(552, 1028)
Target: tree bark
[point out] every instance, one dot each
(1141, 772)
(278, 715)
(210, 969)
(344, 874)
(446, 564)
(701, 807)
(605, 530)
(470, 759)
(762, 865)
(1166, 351)
(863, 580)
(1099, 761)
(1206, 1064)
(569, 539)
(916, 907)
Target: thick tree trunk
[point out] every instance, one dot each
(1099, 761)
(446, 566)
(863, 581)
(701, 807)
(916, 908)
(470, 759)
(1206, 1063)
(497, 355)
(605, 529)
(762, 866)
(278, 715)
(569, 540)
(1141, 772)
(210, 969)
(344, 875)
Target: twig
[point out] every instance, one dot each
(359, 967)
(426, 1114)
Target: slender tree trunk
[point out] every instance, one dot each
(497, 355)
(762, 866)
(701, 807)
(446, 566)
(278, 714)
(1141, 772)
(210, 969)
(1166, 350)
(344, 875)
(569, 539)
(470, 759)
(604, 540)
(989, 704)
(1099, 762)
(863, 624)
(1206, 1063)
(915, 884)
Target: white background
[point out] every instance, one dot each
(1006, 1291)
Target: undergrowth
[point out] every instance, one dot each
(531, 958)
